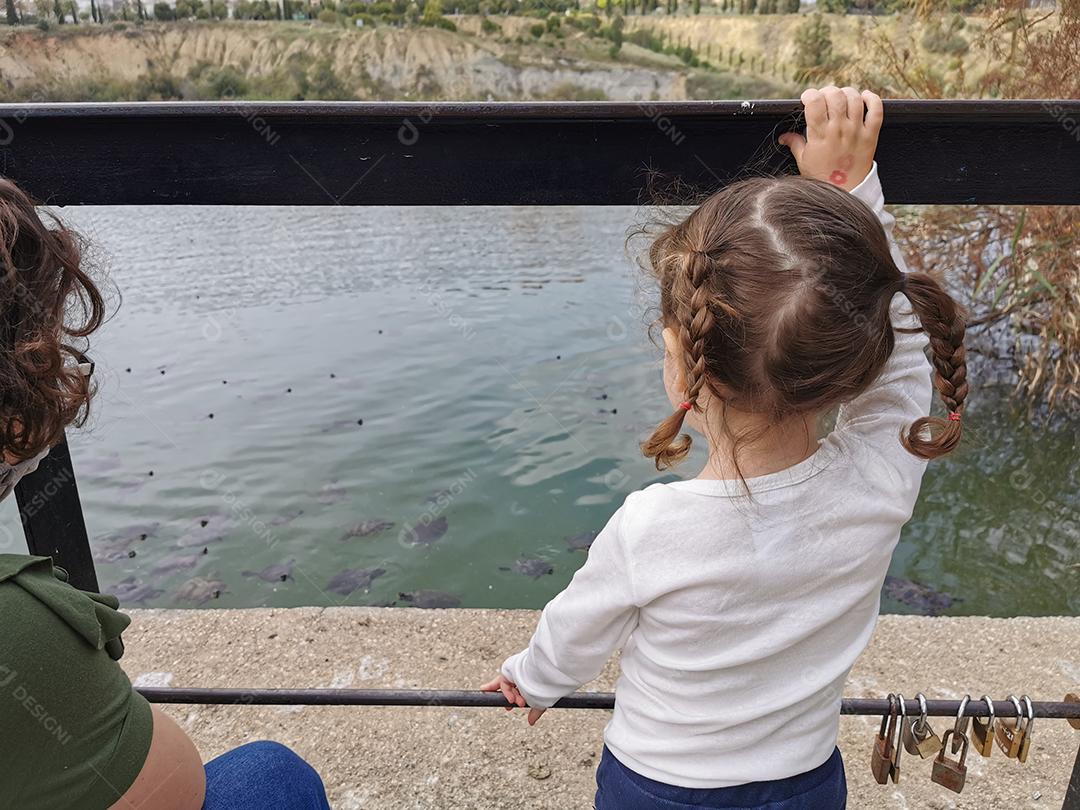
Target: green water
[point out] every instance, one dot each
(498, 361)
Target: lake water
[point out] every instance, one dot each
(480, 370)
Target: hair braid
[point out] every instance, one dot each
(695, 321)
(944, 322)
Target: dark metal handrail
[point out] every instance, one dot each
(1066, 710)
(579, 700)
(536, 153)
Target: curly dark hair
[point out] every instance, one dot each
(48, 301)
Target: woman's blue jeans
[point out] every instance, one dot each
(823, 788)
(263, 776)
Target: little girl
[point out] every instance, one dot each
(742, 598)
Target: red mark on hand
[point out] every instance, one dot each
(838, 178)
(846, 162)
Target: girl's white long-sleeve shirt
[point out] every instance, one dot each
(740, 618)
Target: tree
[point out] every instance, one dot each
(617, 26)
(12, 14)
(163, 12)
(813, 44)
(433, 10)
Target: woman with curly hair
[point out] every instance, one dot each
(76, 735)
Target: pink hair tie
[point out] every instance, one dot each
(687, 405)
(954, 417)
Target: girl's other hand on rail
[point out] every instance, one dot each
(512, 695)
(842, 127)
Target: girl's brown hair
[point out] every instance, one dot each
(778, 290)
(46, 300)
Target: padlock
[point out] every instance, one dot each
(961, 725)
(881, 756)
(918, 737)
(1010, 731)
(1025, 743)
(947, 773)
(983, 730)
(898, 749)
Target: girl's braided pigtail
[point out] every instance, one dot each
(944, 321)
(666, 446)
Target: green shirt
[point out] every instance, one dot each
(73, 733)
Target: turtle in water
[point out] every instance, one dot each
(581, 541)
(214, 521)
(273, 573)
(424, 534)
(331, 494)
(531, 568)
(132, 592)
(286, 517)
(201, 590)
(115, 545)
(926, 600)
(176, 562)
(137, 532)
(429, 599)
(197, 539)
(352, 579)
(112, 552)
(367, 528)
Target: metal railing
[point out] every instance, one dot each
(1068, 709)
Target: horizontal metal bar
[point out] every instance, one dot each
(578, 700)
(592, 153)
(904, 110)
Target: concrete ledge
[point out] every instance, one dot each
(422, 758)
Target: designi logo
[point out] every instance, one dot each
(7, 675)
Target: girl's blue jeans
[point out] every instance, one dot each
(619, 788)
(263, 776)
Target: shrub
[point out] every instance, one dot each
(537, 30)
(226, 82)
(488, 27)
(813, 44)
(584, 22)
(946, 38)
(327, 16)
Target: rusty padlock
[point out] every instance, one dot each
(946, 772)
(881, 756)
